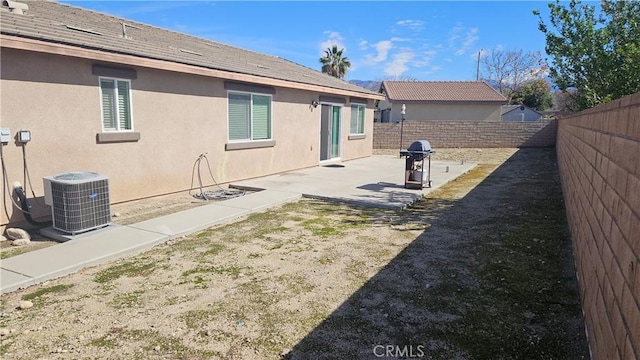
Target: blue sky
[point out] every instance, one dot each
(421, 40)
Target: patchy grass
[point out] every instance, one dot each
(295, 284)
(129, 269)
(322, 226)
(104, 342)
(325, 260)
(199, 319)
(213, 250)
(7, 250)
(128, 300)
(231, 270)
(459, 187)
(153, 344)
(489, 276)
(522, 302)
(47, 290)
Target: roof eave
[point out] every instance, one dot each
(502, 102)
(28, 44)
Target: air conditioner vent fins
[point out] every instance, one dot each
(79, 201)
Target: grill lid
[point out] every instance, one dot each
(419, 146)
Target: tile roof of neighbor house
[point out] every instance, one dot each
(53, 22)
(441, 91)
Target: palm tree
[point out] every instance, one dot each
(333, 63)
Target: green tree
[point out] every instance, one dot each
(597, 56)
(536, 94)
(333, 63)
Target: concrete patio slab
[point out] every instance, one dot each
(374, 181)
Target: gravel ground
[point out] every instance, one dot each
(480, 269)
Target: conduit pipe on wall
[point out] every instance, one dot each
(26, 208)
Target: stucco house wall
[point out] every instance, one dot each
(521, 113)
(178, 116)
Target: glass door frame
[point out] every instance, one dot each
(334, 144)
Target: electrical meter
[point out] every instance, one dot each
(5, 135)
(24, 136)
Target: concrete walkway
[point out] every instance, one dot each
(375, 181)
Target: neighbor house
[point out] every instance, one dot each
(439, 100)
(138, 104)
(519, 113)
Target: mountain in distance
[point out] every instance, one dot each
(367, 84)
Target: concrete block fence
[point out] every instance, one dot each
(465, 134)
(599, 162)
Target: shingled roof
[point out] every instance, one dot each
(53, 22)
(441, 91)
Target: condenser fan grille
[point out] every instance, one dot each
(80, 205)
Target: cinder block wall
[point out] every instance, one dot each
(599, 161)
(465, 134)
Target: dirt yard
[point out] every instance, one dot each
(480, 269)
(139, 210)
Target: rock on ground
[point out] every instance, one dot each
(25, 304)
(21, 242)
(15, 234)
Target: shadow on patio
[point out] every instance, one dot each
(491, 277)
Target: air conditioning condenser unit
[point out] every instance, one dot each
(79, 201)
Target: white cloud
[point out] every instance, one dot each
(469, 38)
(423, 59)
(399, 64)
(363, 45)
(455, 34)
(333, 38)
(415, 25)
(382, 50)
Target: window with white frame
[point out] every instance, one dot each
(357, 119)
(249, 117)
(116, 104)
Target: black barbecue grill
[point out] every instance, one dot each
(416, 175)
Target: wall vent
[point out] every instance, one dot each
(16, 7)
